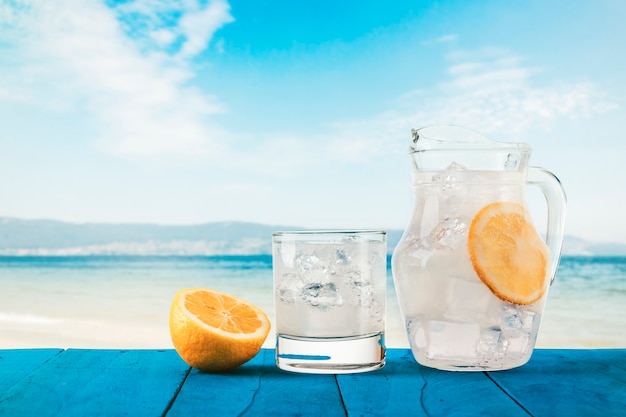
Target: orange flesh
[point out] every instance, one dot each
(507, 253)
(222, 312)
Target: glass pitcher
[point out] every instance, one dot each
(471, 271)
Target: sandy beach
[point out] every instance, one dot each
(125, 304)
(560, 328)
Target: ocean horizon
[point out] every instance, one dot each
(123, 301)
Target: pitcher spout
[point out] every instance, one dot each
(435, 148)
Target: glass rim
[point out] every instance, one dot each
(326, 232)
(429, 143)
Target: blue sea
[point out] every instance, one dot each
(123, 301)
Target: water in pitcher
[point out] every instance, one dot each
(466, 326)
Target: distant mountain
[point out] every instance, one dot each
(50, 237)
(578, 247)
(20, 237)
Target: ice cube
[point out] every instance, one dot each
(454, 166)
(358, 287)
(312, 269)
(308, 262)
(341, 257)
(529, 321)
(449, 232)
(452, 340)
(321, 295)
(448, 178)
(518, 328)
(515, 319)
(467, 300)
(511, 322)
(419, 253)
(519, 344)
(288, 288)
(490, 343)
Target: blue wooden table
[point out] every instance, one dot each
(76, 382)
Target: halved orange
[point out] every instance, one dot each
(214, 331)
(508, 254)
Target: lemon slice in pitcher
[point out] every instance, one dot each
(508, 254)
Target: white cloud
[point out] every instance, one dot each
(163, 37)
(493, 91)
(182, 28)
(130, 66)
(80, 51)
(199, 25)
(489, 91)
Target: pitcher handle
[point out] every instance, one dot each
(555, 197)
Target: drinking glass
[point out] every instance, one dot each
(329, 289)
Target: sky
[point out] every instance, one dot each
(298, 113)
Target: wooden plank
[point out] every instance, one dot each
(403, 387)
(98, 382)
(396, 389)
(16, 364)
(145, 382)
(258, 388)
(569, 382)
